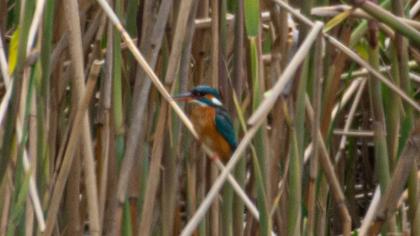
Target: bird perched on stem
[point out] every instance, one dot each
(211, 120)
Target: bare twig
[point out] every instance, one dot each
(354, 133)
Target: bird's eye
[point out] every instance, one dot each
(199, 94)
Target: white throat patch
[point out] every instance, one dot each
(216, 101)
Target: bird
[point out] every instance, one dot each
(211, 120)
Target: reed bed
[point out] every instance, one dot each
(324, 96)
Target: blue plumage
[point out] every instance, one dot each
(225, 127)
(201, 90)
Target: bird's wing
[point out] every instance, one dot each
(225, 127)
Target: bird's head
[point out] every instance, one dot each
(202, 95)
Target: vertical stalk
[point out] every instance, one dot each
(238, 75)
(43, 117)
(252, 25)
(260, 152)
(214, 4)
(6, 200)
(215, 42)
(294, 184)
(393, 102)
(33, 159)
(381, 150)
(117, 89)
(72, 196)
(280, 55)
(296, 159)
(117, 109)
(402, 59)
(313, 172)
(153, 179)
(227, 203)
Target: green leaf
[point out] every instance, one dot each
(21, 197)
(336, 20)
(254, 73)
(13, 51)
(252, 17)
(361, 49)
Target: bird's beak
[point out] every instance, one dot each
(183, 97)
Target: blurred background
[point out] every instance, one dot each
(89, 146)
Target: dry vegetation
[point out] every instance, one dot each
(91, 142)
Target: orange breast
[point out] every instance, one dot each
(203, 121)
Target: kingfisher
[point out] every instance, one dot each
(211, 120)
